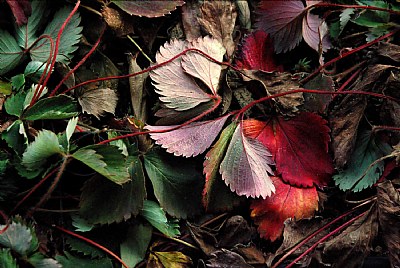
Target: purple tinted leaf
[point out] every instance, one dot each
(149, 8)
(283, 21)
(246, 166)
(315, 33)
(21, 10)
(189, 140)
(177, 89)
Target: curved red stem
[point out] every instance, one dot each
(97, 245)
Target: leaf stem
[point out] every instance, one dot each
(309, 237)
(89, 241)
(140, 49)
(83, 60)
(348, 53)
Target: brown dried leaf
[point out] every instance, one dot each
(190, 23)
(251, 254)
(225, 258)
(204, 238)
(389, 218)
(390, 51)
(275, 83)
(218, 19)
(236, 230)
(352, 246)
(137, 89)
(318, 102)
(344, 120)
(120, 22)
(98, 101)
(148, 8)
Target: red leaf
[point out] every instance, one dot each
(189, 140)
(258, 53)
(21, 10)
(287, 202)
(300, 147)
(149, 8)
(283, 21)
(246, 166)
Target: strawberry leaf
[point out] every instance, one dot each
(189, 140)
(299, 145)
(258, 53)
(201, 67)
(38, 152)
(69, 39)
(148, 8)
(216, 195)
(106, 160)
(178, 90)
(134, 246)
(315, 33)
(287, 202)
(10, 53)
(246, 166)
(362, 171)
(19, 238)
(177, 185)
(58, 107)
(6, 259)
(21, 9)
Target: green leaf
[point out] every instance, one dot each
(34, 70)
(106, 160)
(70, 261)
(16, 137)
(155, 215)
(38, 152)
(26, 34)
(177, 184)
(18, 82)
(17, 237)
(58, 107)
(69, 39)
(134, 247)
(80, 223)
(70, 129)
(6, 259)
(361, 173)
(5, 87)
(216, 194)
(85, 249)
(10, 53)
(38, 260)
(31, 93)
(15, 104)
(127, 199)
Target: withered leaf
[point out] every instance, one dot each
(352, 246)
(206, 239)
(275, 83)
(190, 23)
(120, 22)
(389, 218)
(137, 89)
(344, 120)
(226, 258)
(218, 19)
(98, 101)
(236, 230)
(390, 51)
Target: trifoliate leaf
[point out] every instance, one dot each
(26, 34)
(189, 140)
(154, 214)
(16, 137)
(70, 261)
(106, 160)
(134, 247)
(38, 152)
(16, 237)
(177, 184)
(127, 199)
(69, 39)
(6, 259)
(98, 101)
(361, 171)
(246, 166)
(58, 107)
(10, 53)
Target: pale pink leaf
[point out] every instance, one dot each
(315, 33)
(246, 166)
(283, 21)
(189, 140)
(201, 67)
(178, 90)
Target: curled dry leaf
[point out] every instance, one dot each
(190, 23)
(120, 22)
(148, 8)
(218, 20)
(246, 166)
(287, 202)
(98, 101)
